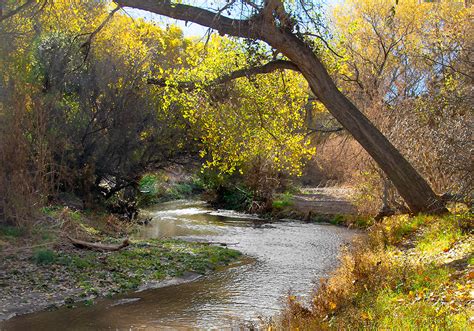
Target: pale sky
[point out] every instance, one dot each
(192, 29)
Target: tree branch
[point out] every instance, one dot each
(98, 246)
(14, 11)
(86, 46)
(325, 130)
(264, 69)
(225, 25)
(324, 42)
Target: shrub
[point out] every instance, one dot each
(44, 256)
(283, 200)
(11, 231)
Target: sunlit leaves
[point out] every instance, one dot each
(242, 119)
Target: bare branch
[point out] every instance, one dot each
(225, 25)
(252, 4)
(14, 11)
(324, 42)
(87, 44)
(326, 130)
(264, 69)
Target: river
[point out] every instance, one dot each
(279, 257)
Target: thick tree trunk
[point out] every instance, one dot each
(410, 184)
(412, 187)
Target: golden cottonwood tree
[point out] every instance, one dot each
(287, 27)
(407, 67)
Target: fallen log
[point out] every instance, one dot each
(217, 243)
(98, 246)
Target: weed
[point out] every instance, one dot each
(283, 200)
(44, 256)
(11, 231)
(88, 302)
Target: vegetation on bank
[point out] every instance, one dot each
(79, 114)
(161, 187)
(92, 103)
(408, 273)
(95, 104)
(42, 268)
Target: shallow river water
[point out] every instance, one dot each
(280, 257)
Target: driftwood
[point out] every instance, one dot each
(97, 246)
(217, 243)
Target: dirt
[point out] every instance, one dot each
(324, 201)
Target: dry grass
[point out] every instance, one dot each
(409, 273)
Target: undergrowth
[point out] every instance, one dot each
(408, 273)
(158, 187)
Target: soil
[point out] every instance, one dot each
(325, 201)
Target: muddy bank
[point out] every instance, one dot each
(325, 201)
(332, 205)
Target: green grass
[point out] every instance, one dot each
(51, 210)
(440, 236)
(44, 256)
(145, 261)
(410, 307)
(11, 231)
(408, 225)
(148, 183)
(362, 222)
(283, 200)
(395, 315)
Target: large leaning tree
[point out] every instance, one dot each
(285, 26)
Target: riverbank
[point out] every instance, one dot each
(332, 205)
(409, 273)
(41, 269)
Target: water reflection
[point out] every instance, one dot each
(281, 256)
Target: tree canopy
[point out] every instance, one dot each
(285, 26)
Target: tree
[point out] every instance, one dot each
(407, 69)
(81, 119)
(80, 112)
(252, 125)
(285, 31)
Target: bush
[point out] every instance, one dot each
(159, 187)
(283, 200)
(237, 198)
(11, 231)
(44, 256)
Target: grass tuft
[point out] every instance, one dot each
(11, 231)
(44, 256)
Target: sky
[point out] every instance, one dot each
(191, 29)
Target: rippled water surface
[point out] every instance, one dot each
(282, 256)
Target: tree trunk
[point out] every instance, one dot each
(412, 187)
(410, 184)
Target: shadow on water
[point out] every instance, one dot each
(281, 256)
